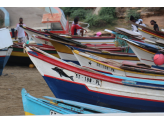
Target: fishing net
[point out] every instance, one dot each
(121, 43)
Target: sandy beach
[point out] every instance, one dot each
(12, 81)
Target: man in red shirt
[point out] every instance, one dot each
(75, 26)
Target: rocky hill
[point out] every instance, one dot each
(33, 15)
(147, 14)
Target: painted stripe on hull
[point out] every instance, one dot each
(151, 36)
(79, 92)
(27, 113)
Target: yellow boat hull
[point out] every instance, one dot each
(64, 49)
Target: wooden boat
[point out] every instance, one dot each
(127, 69)
(145, 52)
(83, 40)
(105, 47)
(93, 40)
(60, 106)
(66, 54)
(150, 34)
(72, 82)
(109, 55)
(5, 51)
(34, 34)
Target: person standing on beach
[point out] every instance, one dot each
(21, 32)
(156, 28)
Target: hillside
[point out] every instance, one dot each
(147, 14)
(33, 15)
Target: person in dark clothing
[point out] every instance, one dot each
(132, 19)
(156, 28)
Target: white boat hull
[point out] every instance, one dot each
(150, 37)
(144, 56)
(86, 62)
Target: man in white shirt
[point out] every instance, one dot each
(21, 32)
(140, 22)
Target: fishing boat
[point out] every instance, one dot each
(93, 40)
(145, 52)
(106, 47)
(35, 36)
(127, 69)
(60, 106)
(66, 54)
(5, 49)
(151, 35)
(72, 82)
(157, 36)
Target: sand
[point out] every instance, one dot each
(12, 81)
(32, 16)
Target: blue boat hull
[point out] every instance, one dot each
(77, 92)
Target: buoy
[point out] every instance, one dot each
(158, 58)
(98, 34)
(31, 66)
